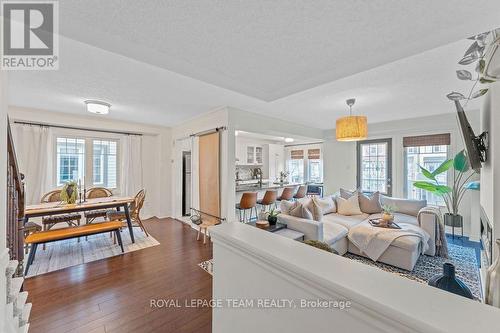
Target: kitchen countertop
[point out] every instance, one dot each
(265, 186)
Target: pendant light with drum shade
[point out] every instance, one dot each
(351, 128)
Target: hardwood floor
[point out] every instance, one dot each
(114, 294)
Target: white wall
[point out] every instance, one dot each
(156, 150)
(490, 182)
(340, 157)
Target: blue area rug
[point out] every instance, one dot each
(464, 259)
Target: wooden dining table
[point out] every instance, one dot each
(55, 208)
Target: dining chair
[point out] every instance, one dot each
(96, 192)
(72, 219)
(134, 211)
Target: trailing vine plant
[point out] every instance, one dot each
(474, 54)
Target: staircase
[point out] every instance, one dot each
(17, 310)
(14, 311)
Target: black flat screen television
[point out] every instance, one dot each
(474, 145)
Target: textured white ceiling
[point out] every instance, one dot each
(164, 62)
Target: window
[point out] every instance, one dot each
(374, 166)
(305, 168)
(70, 159)
(84, 159)
(314, 166)
(296, 166)
(429, 152)
(104, 163)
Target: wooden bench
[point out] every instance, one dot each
(72, 232)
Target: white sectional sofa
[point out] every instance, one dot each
(333, 229)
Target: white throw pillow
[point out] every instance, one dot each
(348, 206)
(327, 204)
(285, 206)
(299, 210)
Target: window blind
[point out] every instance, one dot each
(427, 140)
(297, 154)
(314, 154)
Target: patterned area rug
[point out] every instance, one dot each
(207, 266)
(67, 253)
(464, 259)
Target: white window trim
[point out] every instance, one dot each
(84, 135)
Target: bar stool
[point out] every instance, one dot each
(268, 200)
(301, 192)
(287, 194)
(248, 201)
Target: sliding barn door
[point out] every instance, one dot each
(209, 175)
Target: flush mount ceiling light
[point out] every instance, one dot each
(97, 107)
(289, 140)
(351, 128)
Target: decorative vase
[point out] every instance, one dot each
(387, 218)
(272, 220)
(493, 280)
(449, 282)
(453, 220)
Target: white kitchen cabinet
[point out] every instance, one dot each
(249, 154)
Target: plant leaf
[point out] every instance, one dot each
(443, 189)
(455, 96)
(469, 59)
(464, 75)
(482, 36)
(427, 173)
(480, 66)
(460, 162)
(472, 49)
(479, 93)
(483, 80)
(428, 186)
(445, 166)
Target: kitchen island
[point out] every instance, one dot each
(261, 189)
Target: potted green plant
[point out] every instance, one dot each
(272, 216)
(388, 214)
(69, 192)
(452, 195)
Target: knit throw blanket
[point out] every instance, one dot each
(441, 242)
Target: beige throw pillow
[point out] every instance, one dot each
(327, 204)
(370, 205)
(285, 206)
(346, 194)
(316, 211)
(348, 206)
(299, 210)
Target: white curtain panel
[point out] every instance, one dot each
(34, 146)
(131, 165)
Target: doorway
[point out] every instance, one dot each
(374, 166)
